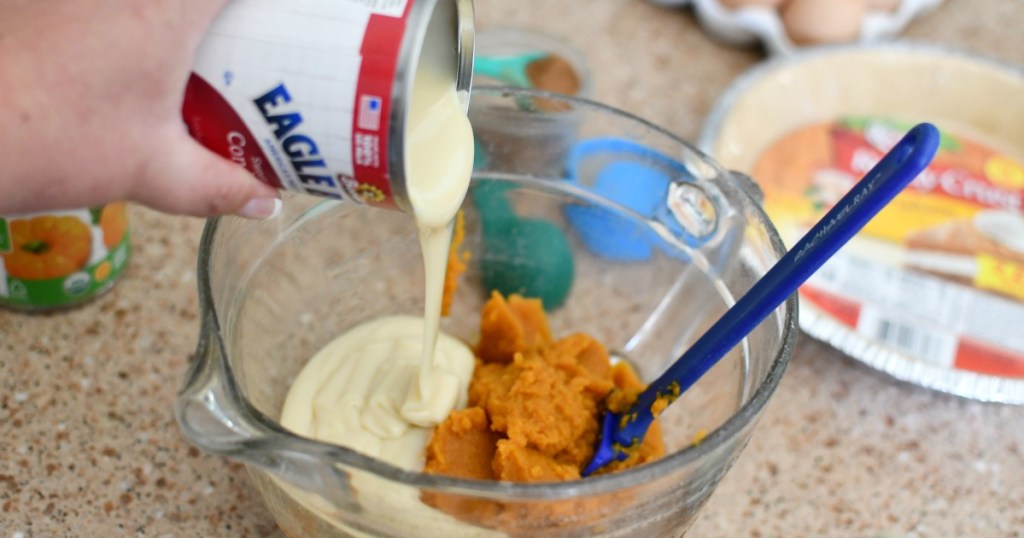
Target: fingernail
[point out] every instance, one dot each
(261, 208)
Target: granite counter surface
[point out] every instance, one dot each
(89, 445)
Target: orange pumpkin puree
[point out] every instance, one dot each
(535, 403)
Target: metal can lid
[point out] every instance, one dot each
(465, 43)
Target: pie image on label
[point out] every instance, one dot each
(962, 250)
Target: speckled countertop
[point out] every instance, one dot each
(89, 446)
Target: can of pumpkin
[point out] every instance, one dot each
(61, 259)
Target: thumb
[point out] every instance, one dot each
(189, 179)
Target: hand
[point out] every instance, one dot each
(91, 93)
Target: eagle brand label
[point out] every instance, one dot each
(301, 93)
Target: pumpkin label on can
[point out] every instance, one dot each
(63, 258)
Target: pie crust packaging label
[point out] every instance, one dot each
(938, 274)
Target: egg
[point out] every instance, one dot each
(811, 22)
(883, 5)
(737, 4)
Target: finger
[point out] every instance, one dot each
(191, 180)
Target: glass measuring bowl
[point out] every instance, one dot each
(274, 292)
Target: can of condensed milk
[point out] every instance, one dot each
(314, 97)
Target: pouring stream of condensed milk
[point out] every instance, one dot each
(440, 161)
(381, 387)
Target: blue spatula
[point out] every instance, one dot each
(622, 433)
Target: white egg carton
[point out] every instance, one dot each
(749, 24)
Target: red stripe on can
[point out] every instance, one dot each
(373, 102)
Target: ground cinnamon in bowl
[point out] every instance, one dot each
(552, 74)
